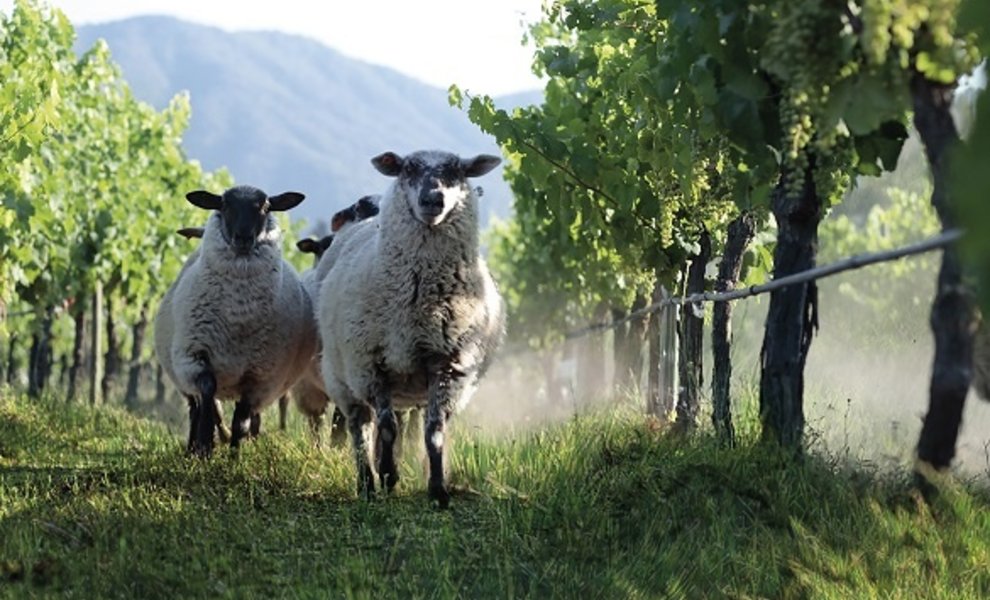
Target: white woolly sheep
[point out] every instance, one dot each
(237, 321)
(309, 393)
(409, 315)
(195, 233)
(163, 328)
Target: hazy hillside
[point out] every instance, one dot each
(283, 111)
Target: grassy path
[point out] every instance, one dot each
(95, 503)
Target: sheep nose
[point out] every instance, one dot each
(432, 199)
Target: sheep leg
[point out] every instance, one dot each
(338, 428)
(255, 429)
(435, 425)
(222, 430)
(386, 432)
(206, 383)
(241, 425)
(410, 430)
(193, 423)
(315, 423)
(358, 416)
(283, 409)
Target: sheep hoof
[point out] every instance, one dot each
(439, 494)
(203, 451)
(388, 481)
(366, 487)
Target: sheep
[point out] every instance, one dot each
(237, 321)
(309, 394)
(223, 432)
(163, 325)
(408, 313)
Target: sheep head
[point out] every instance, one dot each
(365, 208)
(433, 183)
(244, 213)
(316, 247)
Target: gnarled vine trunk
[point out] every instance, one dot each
(159, 385)
(740, 233)
(12, 365)
(663, 357)
(137, 345)
(692, 341)
(79, 320)
(793, 314)
(953, 316)
(41, 359)
(629, 340)
(111, 362)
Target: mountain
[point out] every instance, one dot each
(286, 112)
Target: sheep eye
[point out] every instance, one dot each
(450, 172)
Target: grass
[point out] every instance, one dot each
(96, 503)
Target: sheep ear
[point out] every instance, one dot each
(308, 245)
(479, 165)
(285, 201)
(388, 163)
(191, 232)
(341, 218)
(204, 199)
(325, 242)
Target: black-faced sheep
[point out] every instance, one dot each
(237, 322)
(223, 432)
(409, 315)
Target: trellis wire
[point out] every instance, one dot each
(847, 264)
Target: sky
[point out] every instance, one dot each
(473, 43)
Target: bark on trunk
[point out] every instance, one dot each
(63, 371)
(632, 359)
(79, 319)
(662, 359)
(159, 386)
(692, 341)
(12, 365)
(793, 314)
(953, 317)
(41, 355)
(111, 361)
(137, 345)
(653, 398)
(740, 234)
(95, 351)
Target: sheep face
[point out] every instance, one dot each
(244, 213)
(315, 247)
(433, 184)
(365, 208)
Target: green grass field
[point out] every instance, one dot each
(96, 503)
